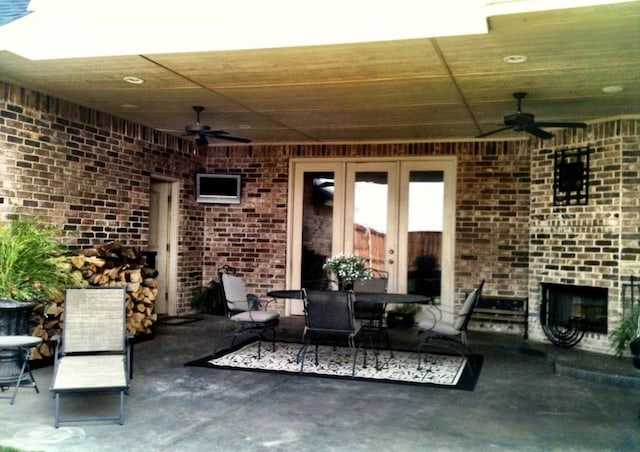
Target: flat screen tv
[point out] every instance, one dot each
(218, 188)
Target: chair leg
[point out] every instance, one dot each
(445, 344)
(121, 419)
(56, 419)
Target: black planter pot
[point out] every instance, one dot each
(14, 317)
(399, 320)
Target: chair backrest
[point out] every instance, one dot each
(320, 284)
(374, 281)
(329, 310)
(377, 285)
(234, 293)
(94, 320)
(464, 315)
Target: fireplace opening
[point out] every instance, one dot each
(568, 311)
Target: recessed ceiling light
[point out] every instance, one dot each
(244, 126)
(514, 59)
(612, 89)
(129, 106)
(134, 80)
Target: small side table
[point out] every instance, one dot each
(14, 363)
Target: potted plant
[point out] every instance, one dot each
(346, 268)
(207, 299)
(403, 316)
(626, 331)
(33, 269)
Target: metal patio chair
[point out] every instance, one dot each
(371, 315)
(244, 310)
(329, 318)
(448, 335)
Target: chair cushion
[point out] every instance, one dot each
(438, 327)
(468, 303)
(256, 316)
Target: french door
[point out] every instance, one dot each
(398, 214)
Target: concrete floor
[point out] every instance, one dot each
(520, 403)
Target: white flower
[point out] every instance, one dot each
(346, 266)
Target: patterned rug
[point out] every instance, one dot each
(454, 372)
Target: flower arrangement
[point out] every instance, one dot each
(346, 267)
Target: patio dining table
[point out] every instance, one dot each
(361, 297)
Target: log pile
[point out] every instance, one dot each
(108, 265)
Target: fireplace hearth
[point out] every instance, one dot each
(569, 311)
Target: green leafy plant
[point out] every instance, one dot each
(347, 267)
(626, 331)
(33, 264)
(208, 299)
(406, 309)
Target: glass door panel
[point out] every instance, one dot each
(371, 195)
(424, 232)
(427, 228)
(317, 227)
(370, 215)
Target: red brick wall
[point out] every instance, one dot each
(88, 173)
(492, 210)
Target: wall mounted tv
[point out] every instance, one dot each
(218, 188)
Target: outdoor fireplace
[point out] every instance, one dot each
(569, 311)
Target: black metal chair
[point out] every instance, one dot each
(371, 315)
(448, 335)
(244, 310)
(329, 319)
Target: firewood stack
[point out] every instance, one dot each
(108, 265)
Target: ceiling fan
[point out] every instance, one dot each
(521, 121)
(201, 132)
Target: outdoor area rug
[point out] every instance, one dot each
(447, 371)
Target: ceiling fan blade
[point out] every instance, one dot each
(493, 131)
(569, 125)
(222, 135)
(533, 129)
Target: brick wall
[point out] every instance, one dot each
(492, 212)
(88, 174)
(595, 244)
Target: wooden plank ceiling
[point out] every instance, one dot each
(411, 90)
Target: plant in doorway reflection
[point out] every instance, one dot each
(346, 268)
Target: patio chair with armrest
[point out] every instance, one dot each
(448, 335)
(94, 352)
(329, 318)
(244, 310)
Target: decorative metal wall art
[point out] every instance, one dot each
(571, 177)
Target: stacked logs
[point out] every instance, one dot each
(108, 265)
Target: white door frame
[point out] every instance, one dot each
(297, 168)
(172, 210)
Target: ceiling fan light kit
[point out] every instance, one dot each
(525, 122)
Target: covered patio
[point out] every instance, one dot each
(529, 396)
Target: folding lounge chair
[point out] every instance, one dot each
(94, 353)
